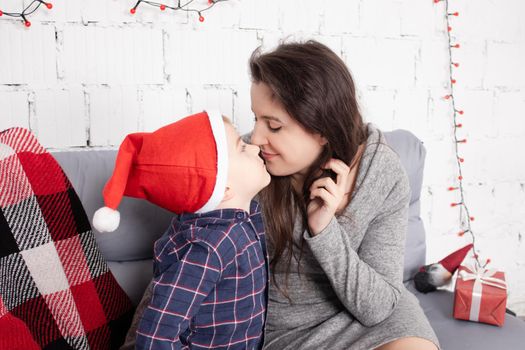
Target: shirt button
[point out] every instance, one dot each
(240, 216)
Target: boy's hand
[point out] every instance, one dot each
(328, 196)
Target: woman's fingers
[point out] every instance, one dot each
(327, 183)
(340, 168)
(325, 196)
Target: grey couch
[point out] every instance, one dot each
(129, 249)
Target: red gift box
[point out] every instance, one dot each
(480, 295)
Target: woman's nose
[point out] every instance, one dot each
(258, 137)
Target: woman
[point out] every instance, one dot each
(335, 211)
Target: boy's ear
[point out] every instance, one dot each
(228, 194)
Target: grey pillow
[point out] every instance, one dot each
(412, 154)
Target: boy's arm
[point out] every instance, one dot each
(177, 295)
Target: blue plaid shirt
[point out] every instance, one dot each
(210, 283)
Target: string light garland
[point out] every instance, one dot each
(32, 7)
(458, 142)
(180, 7)
(35, 4)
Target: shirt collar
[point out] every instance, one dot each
(225, 214)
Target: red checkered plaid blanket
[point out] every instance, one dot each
(56, 291)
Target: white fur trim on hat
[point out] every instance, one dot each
(106, 219)
(219, 133)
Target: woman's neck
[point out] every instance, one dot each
(297, 182)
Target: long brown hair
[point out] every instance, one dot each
(317, 90)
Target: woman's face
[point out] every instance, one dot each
(288, 149)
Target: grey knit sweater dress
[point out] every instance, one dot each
(349, 293)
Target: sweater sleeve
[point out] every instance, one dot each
(368, 281)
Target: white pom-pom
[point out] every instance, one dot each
(106, 219)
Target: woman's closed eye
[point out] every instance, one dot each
(272, 128)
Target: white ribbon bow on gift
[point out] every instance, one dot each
(480, 276)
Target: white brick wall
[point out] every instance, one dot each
(87, 73)
(28, 56)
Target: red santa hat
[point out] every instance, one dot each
(452, 261)
(181, 167)
(429, 277)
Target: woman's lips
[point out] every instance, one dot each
(268, 156)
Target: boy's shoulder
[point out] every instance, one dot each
(226, 244)
(219, 231)
(222, 236)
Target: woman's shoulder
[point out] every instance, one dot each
(387, 159)
(382, 161)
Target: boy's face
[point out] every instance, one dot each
(247, 174)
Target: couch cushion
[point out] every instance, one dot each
(133, 276)
(50, 265)
(412, 154)
(458, 335)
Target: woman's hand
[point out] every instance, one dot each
(327, 196)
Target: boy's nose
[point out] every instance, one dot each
(253, 149)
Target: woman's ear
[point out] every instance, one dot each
(228, 194)
(322, 140)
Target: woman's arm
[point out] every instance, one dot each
(367, 281)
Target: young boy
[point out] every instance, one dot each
(210, 267)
